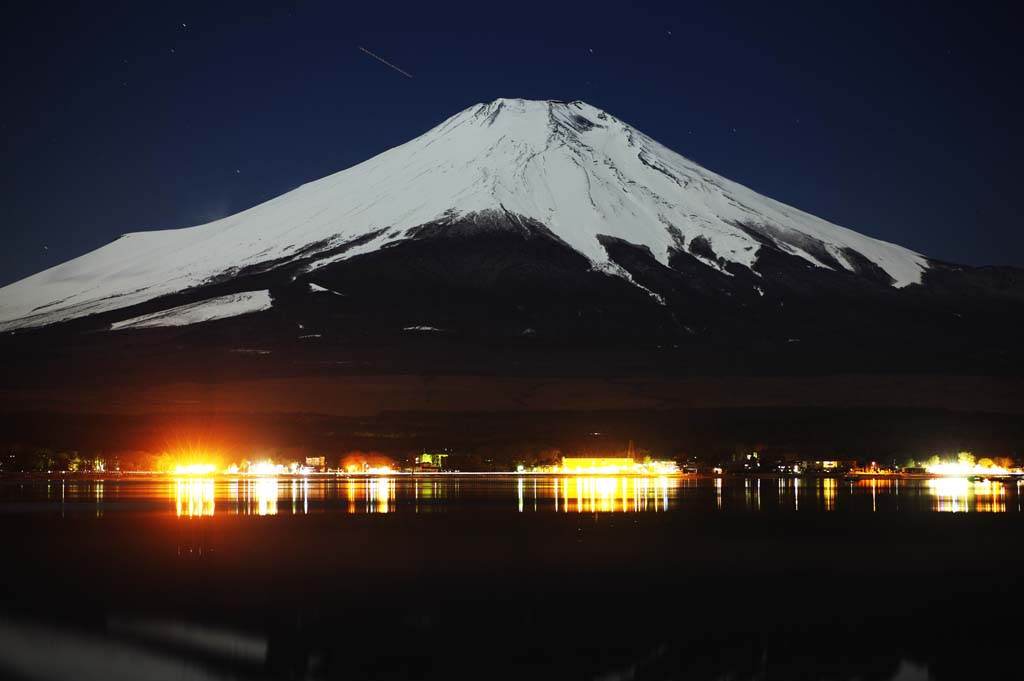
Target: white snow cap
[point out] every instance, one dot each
(574, 168)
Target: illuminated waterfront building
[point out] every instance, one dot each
(828, 466)
(591, 464)
(430, 462)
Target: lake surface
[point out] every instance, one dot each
(301, 495)
(510, 577)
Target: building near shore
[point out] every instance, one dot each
(430, 463)
(614, 465)
(597, 465)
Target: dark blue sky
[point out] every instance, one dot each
(900, 123)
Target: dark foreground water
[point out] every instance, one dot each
(504, 577)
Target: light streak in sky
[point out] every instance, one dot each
(384, 61)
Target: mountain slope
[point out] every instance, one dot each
(583, 181)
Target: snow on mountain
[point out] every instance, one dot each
(574, 168)
(220, 307)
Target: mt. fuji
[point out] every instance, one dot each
(524, 217)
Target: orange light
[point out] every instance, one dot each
(196, 469)
(190, 458)
(267, 468)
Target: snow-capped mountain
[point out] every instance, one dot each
(585, 181)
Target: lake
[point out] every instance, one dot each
(451, 493)
(480, 576)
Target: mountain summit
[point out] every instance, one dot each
(523, 213)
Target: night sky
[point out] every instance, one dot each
(126, 117)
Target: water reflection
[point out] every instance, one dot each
(195, 497)
(164, 649)
(599, 494)
(378, 494)
(752, 493)
(261, 496)
(957, 495)
(299, 495)
(828, 493)
(301, 492)
(372, 495)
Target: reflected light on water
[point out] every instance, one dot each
(879, 488)
(261, 496)
(378, 495)
(300, 496)
(752, 493)
(990, 497)
(953, 495)
(950, 494)
(194, 497)
(605, 494)
(350, 493)
(828, 493)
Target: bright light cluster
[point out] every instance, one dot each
(960, 470)
(616, 467)
(196, 469)
(661, 468)
(259, 469)
(267, 468)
